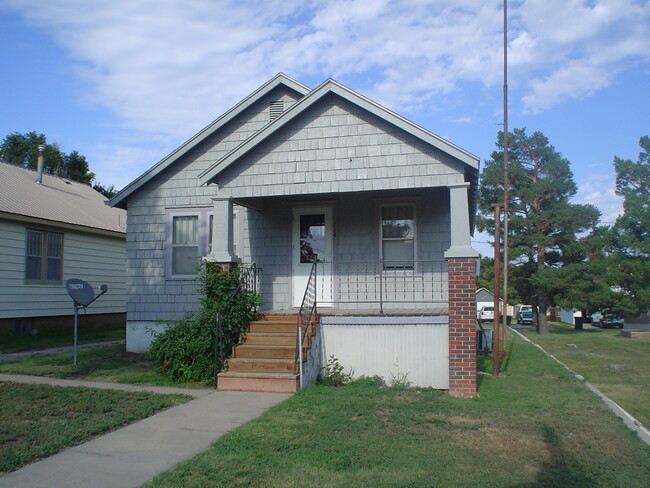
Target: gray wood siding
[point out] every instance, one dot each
(90, 257)
(335, 147)
(151, 295)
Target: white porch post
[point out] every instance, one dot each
(222, 232)
(459, 216)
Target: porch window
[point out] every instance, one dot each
(398, 236)
(43, 257)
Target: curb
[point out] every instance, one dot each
(631, 422)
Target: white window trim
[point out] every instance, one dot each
(415, 232)
(201, 213)
(204, 214)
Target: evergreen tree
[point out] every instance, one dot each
(630, 238)
(543, 225)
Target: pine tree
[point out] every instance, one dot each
(543, 225)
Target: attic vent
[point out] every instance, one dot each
(276, 108)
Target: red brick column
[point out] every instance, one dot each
(462, 326)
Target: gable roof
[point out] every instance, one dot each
(119, 200)
(56, 201)
(332, 86)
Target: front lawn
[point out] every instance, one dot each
(39, 420)
(616, 365)
(535, 426)
(59, 338)
(110, 363)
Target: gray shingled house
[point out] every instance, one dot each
(51, 232)
(300, 181)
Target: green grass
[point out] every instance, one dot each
(109, 363)
(38, 420)
(595, 350)
(535, 426)
(58, 338)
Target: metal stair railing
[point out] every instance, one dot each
(305, 316)
(247, 282)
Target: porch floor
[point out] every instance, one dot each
(333, 311)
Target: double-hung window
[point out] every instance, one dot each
(185, 244)
(398, 236)
(189, 237)
(43, 257)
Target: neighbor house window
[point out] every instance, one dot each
(398, 236)
(43, 257)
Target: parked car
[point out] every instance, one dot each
(525, 314)
(486, 314)
(607, 319)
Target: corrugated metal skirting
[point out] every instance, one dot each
(417, 349)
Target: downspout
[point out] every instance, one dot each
(41, 161)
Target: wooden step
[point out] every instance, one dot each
(265, 351)
(271, 382)
(261, 365)
(267, 326)
(276, 317)
(271, 339)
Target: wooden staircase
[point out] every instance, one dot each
(264, 358)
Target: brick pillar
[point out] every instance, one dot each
(462, 326)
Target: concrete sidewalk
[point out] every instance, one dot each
(16, 356)
(136, 453)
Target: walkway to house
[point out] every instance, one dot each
(134, 454)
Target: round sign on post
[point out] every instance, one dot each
(80, 291)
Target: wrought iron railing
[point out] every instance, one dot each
(382, 283)
(248, 279)
(306, 314)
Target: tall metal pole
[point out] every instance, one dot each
(506, 182)
(76, 322)
(496, 350)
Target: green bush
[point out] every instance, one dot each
(185, 350)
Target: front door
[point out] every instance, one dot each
(312, 242)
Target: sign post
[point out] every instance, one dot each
(82, 295)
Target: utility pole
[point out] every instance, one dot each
(506, 182)
(496, 350)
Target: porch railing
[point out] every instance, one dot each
(307, 312)
(248, 279)
(383, 283)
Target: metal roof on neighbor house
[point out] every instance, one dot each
(56, 201)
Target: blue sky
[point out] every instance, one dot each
(125, 82)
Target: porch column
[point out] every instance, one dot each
(222, 233)
(461, 259)
(459, 217)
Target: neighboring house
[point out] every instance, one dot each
(294, 180)
(485, 297)
(51, 232)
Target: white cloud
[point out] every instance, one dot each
(167, 67)
(599, 190)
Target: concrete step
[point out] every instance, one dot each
(269, 382)
(260, 365)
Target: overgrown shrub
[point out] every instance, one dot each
(185, 350)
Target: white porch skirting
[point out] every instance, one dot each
(415, 348)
